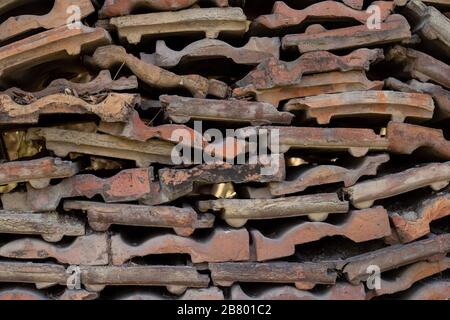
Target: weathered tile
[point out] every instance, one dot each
(109, 56)
(184, 221)
(429, 23)
(393, 257)
(64, 142)
(303, 275)
(49, 46)
(116, 107)
(283, 16)
(410, 275)
(356, 141)
(355, 4)
(412, 223)
(176, 183)
(339, 291)
(406, 138)
(89, 250)
(37, 172)
(394, 29)
(114, 8)
(136, 129)
(182, 110)
(211, 293)
(58, 16)
(51, 226)
(101, 83)
(210, 21)
(29, 294)
(440, 95)
(321, 175)
(310, 85)
(236, 212)
(363, 195)
(272, 72)
(255, 51)
(127, 185)
(95, 278)
(43, 275)
(359, 226)
(222, 245)
(420, 65)
(175, 278)
(398, 105)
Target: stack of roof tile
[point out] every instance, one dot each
(94, 204)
